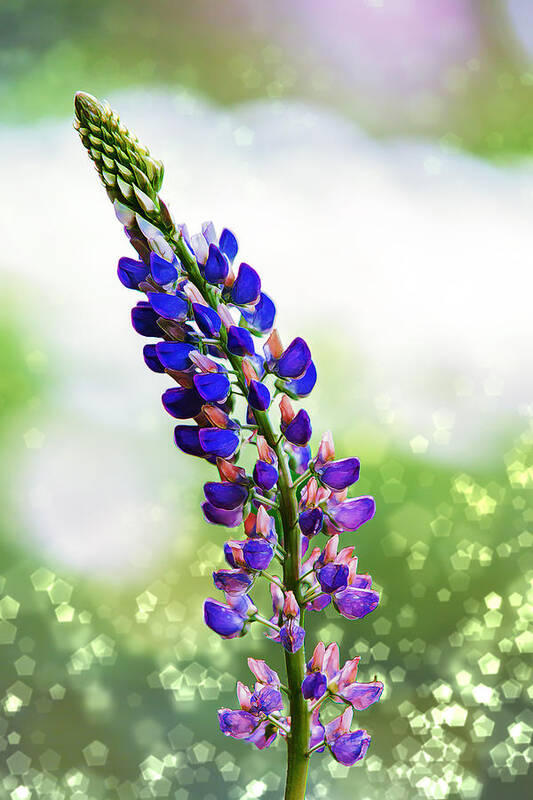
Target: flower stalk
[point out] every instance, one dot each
(192, 300)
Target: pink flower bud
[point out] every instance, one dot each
(263, 522)
(225, 315)
(249, 524)
(216, 416)
(326, 449)
(291, 609)
(203, 362)
(230, 472)
(250, 373)
(286, 409)
(318, 657)
(331, 660)
(330, 550)
(348, 673)
(345, 556)
(244, 695)
(273, 347)
(194, 294)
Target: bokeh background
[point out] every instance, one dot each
(374, 158)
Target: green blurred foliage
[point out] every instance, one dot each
(112, 690)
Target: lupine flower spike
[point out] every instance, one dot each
(209, 327)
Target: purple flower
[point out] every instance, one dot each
(291, 636)
(217, 266)
(182, 403)
(223, 619)
(144, 319)
(298, 431)
(238, 724)
(247, 286)
(294, 361)
(261, 319)
(314, 686)
(240, 342)
(302, 387)
(333, 577)
(348, 748)
(255, 721)
(339, 475)
(258, 396)
(230, 518)
(351, 514)
(355, 603)
(232, 581)
(265, 475)
(163, 271)
(226, 495)
(213, 387)
(169, 306)
(131, 272)
(361, 695)
(311, 521)
(228, 244)
(174, 355)
(218, 442)
(150, 358)
(207, 320)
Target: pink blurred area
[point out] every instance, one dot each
(398, 45)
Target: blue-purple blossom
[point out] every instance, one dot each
(144, 319)
(240, 342)
(228, 622)
(339, 475)
(299, 430)
(131, 272)
(247, 286)
(163, 272)
(258, 396)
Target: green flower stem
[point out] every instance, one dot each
(133, 178)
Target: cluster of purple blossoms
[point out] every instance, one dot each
(212, 333)
(198, 348)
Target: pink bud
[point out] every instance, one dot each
(244, 695)
(330, 550)
(277, 598)
(225, 315)
(345, 555)
(273, 347)
(291, 609)
(310, 560)
(287, 411)
(263, 523)
(203, 362)
(194, 294)
(322, 495)
(236, 551)
(326, 448)
(312, 488)
(249, 524)
(230, 279)
(262, 672)
(331, 660)
(318, 657)
(352, 567)
(248, 368)
(216, 416)
(230, 472)
(348, 673)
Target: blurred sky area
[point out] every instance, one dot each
(374, 159)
